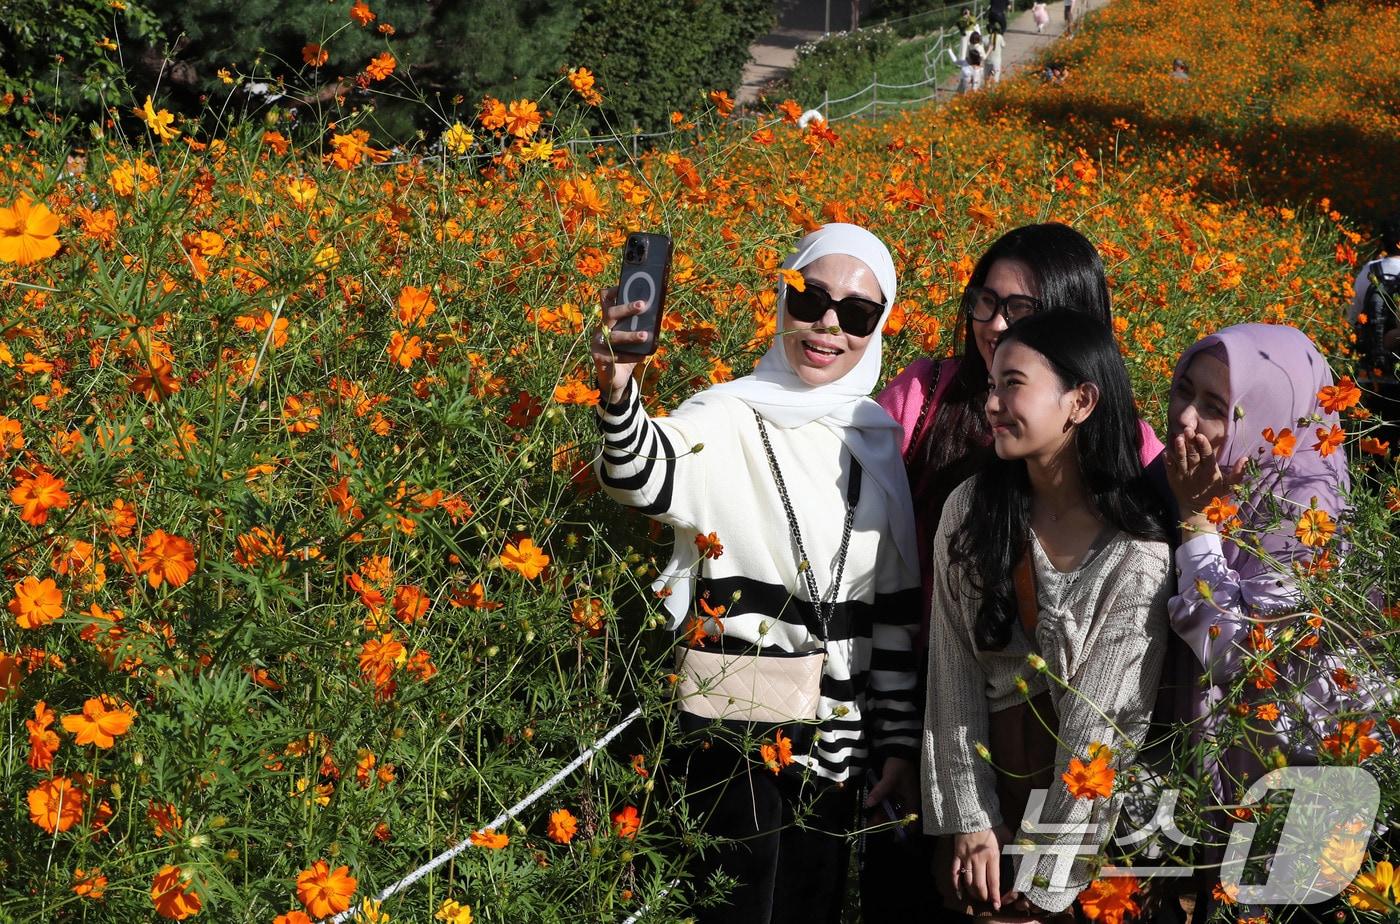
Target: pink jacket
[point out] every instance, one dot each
(903, 398)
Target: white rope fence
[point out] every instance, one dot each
(447, 855)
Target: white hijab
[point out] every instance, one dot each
(776, 392)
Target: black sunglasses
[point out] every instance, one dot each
(857, 316)
(982, 304)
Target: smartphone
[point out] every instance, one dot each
(646, 272)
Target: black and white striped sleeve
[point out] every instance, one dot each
(896, 719)
(648, 464)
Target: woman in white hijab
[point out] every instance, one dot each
(792, 464)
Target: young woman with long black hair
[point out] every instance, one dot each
(939, 404)
(1054, 555)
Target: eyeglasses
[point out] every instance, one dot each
(983, 304)
(857, 316)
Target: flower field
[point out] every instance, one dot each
(306, 575)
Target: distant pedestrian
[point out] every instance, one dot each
(1069, 12)
(973, 63)
(967, 23)
(1180, 71)
(996, 15)
(1041, 16)
(996, 43)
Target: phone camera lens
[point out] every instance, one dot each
(636, 250)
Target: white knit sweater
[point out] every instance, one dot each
(1102, 629)
(869, 683)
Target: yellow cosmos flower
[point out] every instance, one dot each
(160, 122)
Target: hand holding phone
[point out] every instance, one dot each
(632, 311)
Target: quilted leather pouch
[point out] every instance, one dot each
(763, 690)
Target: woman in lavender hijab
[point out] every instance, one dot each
(1231, 392)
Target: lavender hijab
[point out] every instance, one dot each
(1275, 375)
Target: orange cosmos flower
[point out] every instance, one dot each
(404, 350)
(27, 230)
(164, 817)
(1085, 781)
(791, 111)
(1268, 712)
(581, 79)
(378, 659)
(1283, 441)
(89, 883)
(574, 391)
(1315, 527)
(723, 104)
(709, 545)
(292, 917)
(1375, 447)
(410, 603)
(299, 416)
(43, 741)
(1110, 899)
(562, 826)
(1337, 398)
(166, 558)
(325, 891)
(525, 559)
(157, 381)
(489, 839)
(381, 67)
(777, 755)
(173, 897)
(587, 614)
(314, 55)
(1219, 510)
(415, 305)
(100, 722)
(493, 113)
(626, 823)
(56, 805)
(1352, 741)
(361, 14)
(522, 118)
(36, 603)
(1329, 441)
(794, 279)
(36, 495)
(474, 597)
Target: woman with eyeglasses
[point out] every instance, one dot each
(940, 405)
(794, 538)
(1050, 597)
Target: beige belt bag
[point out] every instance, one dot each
(749, 688)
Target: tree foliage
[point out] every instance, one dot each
(58, 56)
(652, 56)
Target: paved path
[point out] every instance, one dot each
(1024, 44)
(773, 55)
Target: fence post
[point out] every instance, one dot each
(826, 105)
(875, 92)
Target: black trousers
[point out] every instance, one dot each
(896, 879)
(788, 844)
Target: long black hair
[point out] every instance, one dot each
(1068, 275)
(994, 534)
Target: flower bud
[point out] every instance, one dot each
(1036, 662)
